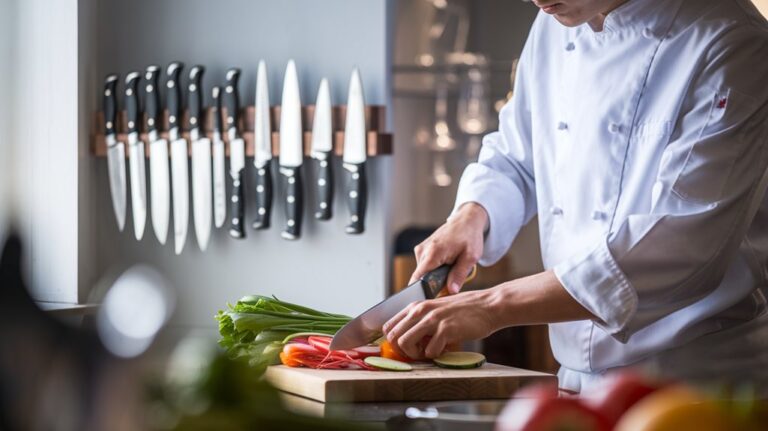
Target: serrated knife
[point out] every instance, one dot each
(355, 155)
(179, 158)
(219, 184)
(291, 152)
(262, 160)
(159, 176)
(201, 159)
(136, 155)
(322, 149)
(115, 151)
(236, 154)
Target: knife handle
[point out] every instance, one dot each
(294, 202)
(232, 101)
(236, 229)
(357, 197)
(174, 97)
(132, 101)
(263, 196)
(434, 281)
(152, 98)
(195, 100)
(110, 104)
(324, 187)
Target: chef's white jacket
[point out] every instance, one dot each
(641, 148)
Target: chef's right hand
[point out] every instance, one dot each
(459, 242)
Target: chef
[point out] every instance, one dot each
(638, 134)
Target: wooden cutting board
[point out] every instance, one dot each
(425, 383)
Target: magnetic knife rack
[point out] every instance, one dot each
(379, 143)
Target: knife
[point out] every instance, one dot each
(236, 154)
(263, 151)
(322, 146)
(179, 158)
(136, 155)
(159, 179)
(366, 327)
(355, 155)
(201, 160)
(115, 152)
(219, 187)
(291, 152)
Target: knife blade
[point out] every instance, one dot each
(179, 158)
(291, 152)
(322, 147)
(355, 155)
(159, 176)
(219, 186)
(136, 160)
(263, 151)
(201, 160)
(236, 155)
(115, 151)
(366, 327)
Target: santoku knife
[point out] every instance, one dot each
(219, 185)
(355, 155)
(263, 150)
(201, 159)
(159, 179)
(322, 148)
(179, 158)
(115, 151)
(236, 154)
(136, 155)
(291, 152)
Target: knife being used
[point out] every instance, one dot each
(355, 155)
(179, 158)
(236, 154)
(159, 177)
(263, 151)
(136, 155)
(322, 147)
(291, 152)
(201, 159)
(115, 151)
(219, 186)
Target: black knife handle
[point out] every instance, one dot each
(324, 194)
(294, 202)
(357, 196)
(434, 281)
(152, 98)
(195, 98)
(232, 100)
(110, 104)
(174, 95)
(263, 196)
(132, 101)
(217, 121)
(236, 229)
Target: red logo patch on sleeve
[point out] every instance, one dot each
(722, 102)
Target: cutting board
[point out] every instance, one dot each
(425, 383)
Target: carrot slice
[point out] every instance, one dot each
(387, 351)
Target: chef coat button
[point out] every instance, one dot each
(648, 33)
(556, 211)
(570, 47)
(598, 215)
(562, 126)
(614, 128)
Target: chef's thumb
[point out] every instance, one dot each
(458, 274)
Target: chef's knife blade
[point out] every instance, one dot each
(322, 147)
(219, 186)
(201, 159)
(136, 155)
(159, 176)
(179, 158)
(115, 151)
(366, 327)
(263, 151)
(236, 154)
(291, 152)
(355, 155)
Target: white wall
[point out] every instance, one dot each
(6, 78)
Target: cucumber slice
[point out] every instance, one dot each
(387, 364)
(460, 360)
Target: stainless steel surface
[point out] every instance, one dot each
(354, 128)
(202, 190)
(160, 190)
(138, 184)
(117, 186)
(262, 133)
(322, 133)
(180, 184)
(291, 147)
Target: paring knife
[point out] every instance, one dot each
(263, 151)
(159, 176)
(366, 327)
(236, 154)
(136, 160)
(322, 147)
(115, 151)
(219, 186)
(201, 160)
(179, 158)
(291, 152)
(355, 155)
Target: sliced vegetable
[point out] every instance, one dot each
(460, 360)
(366, 351)
(388, 364)
(387, 351)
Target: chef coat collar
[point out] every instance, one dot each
(652, 17)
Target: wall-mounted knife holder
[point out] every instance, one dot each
(379, 143)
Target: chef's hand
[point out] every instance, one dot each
(459, 242)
